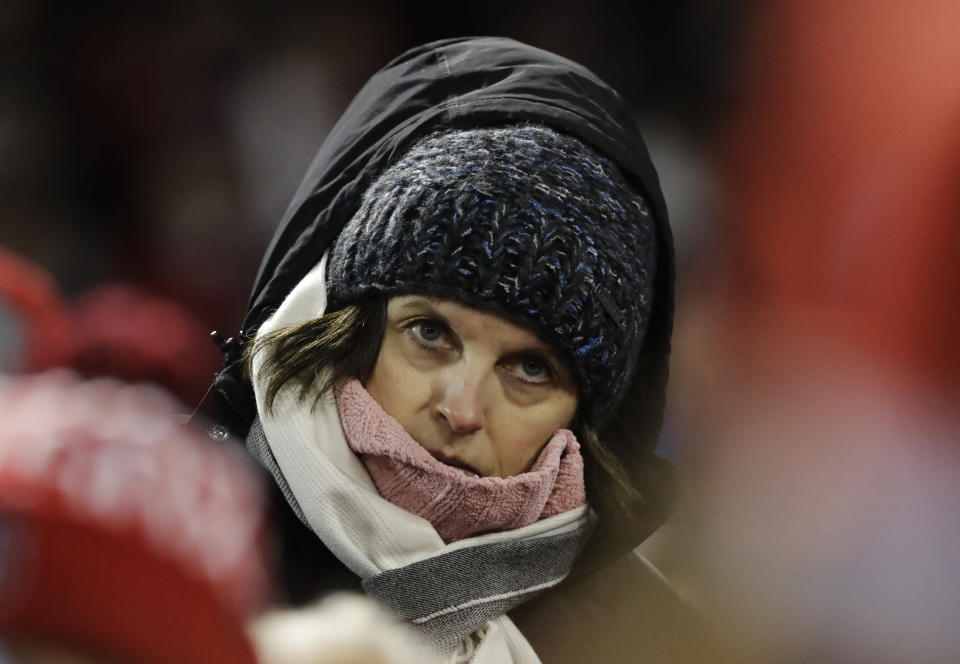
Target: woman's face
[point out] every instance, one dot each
(475, 390)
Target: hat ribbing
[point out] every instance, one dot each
(521, 220)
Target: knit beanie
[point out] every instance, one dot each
(521, 220)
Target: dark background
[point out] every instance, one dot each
(159, 143)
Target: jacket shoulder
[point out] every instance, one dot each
(625, 612)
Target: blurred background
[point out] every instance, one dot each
(809, 153)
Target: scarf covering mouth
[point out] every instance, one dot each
(456, 503)
(455, 594)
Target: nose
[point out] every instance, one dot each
(460, 404)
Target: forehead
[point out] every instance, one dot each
(466, 320)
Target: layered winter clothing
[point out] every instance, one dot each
(463, 84)
(454, 593)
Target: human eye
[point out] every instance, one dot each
(429, 333)
(530, 369)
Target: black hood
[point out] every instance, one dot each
(464, 83)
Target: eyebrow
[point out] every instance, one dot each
(423, 303)
(424, 306)
(416, 302)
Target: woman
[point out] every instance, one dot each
(456, 359)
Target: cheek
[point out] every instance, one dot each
(399, 389)
(520, 433)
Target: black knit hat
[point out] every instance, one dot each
(520, 220)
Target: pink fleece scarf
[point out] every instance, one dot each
(456, 504)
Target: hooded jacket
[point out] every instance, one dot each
(463, 83)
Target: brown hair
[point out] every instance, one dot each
(318, 353)
(345, 343)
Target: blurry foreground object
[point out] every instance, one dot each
(824, 374)
(34, 320)
(124, 332)
(342, 629)
(839, 173)
(123, 538)
(827, 520)
(114, 329)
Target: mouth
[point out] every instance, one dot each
(453, 462)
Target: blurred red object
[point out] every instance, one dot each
(112, 330)
(32, 302)
(839, 166)
(826, 369)
(122, 331)
(123, 535)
